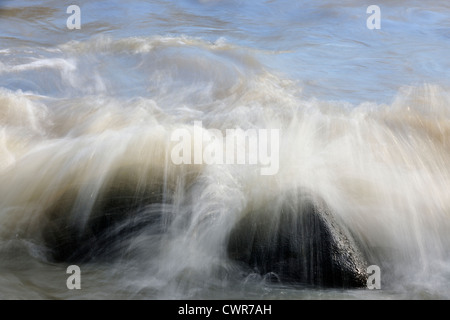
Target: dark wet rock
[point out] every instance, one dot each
(300, 240)
(75, 232)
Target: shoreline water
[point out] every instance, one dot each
(86, 118)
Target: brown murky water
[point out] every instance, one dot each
(86, 117)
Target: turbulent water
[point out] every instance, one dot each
(86, 118)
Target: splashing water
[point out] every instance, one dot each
(85, 141)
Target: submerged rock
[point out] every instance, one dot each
(300, 240)
(294, 239)
(76, 231)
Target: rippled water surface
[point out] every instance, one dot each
(86, 118)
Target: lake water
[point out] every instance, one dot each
(87, 115)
